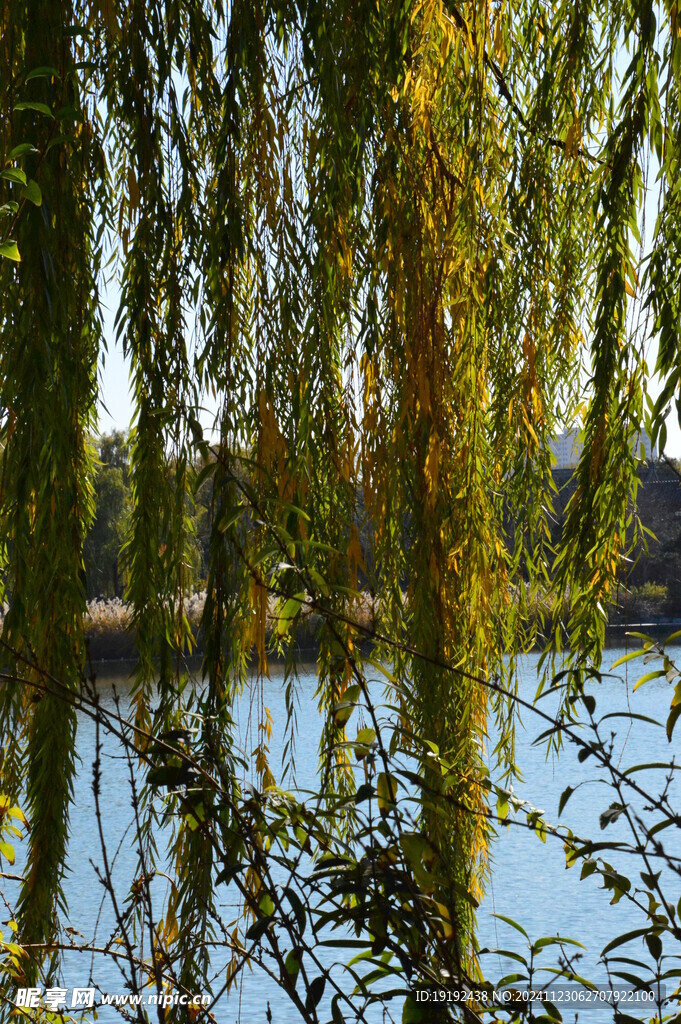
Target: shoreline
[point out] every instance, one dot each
(111, 638)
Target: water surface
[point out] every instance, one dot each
(529, 881)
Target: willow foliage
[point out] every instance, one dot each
(393, 240)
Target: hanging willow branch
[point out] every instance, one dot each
(391, 240)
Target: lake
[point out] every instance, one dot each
(529, 880)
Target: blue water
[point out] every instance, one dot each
(529, 881)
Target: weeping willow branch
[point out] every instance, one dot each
(370, 234)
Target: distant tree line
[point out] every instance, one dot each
(105, 546)
(651, 583)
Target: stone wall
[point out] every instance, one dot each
(659, 510)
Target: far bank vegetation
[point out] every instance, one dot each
(646, 596)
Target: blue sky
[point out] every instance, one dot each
(116, 407)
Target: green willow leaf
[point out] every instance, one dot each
(32, 193)
(10, 251)
(41, 108)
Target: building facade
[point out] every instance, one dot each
(567, 448)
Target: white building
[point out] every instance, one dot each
(567, 448)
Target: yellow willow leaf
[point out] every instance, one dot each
(133, 191)
(432, 467)
(263, 768)
(424, 387)
(529, 354)
(354, 554)
(386, 792)
(234, 964)
(597, 451)
(499, 45)
(266, 726)
(142, 722)
(170, 930)
(259, 604)
(7, 851)
(446, 921)
(16, 812)
(573, 138)
(530, 428)
(271, 440)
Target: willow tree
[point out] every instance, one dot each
(399, 243)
